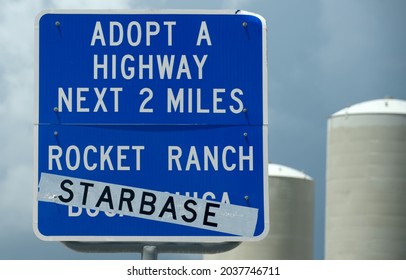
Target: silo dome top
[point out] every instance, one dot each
(278, 170)
(377, 106)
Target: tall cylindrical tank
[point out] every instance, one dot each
(366, 181)
(291, 203)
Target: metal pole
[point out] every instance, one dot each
(144, 247)
(149, 253)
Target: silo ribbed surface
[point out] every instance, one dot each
(366, 181)
(291, 203)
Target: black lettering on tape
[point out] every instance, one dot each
(106, 197)
(86, 185)
(66, 189)
(207, 214)
(190, 210)
(129, 199)
(169, 207)
(150, 203)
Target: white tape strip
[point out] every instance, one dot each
(148, 204)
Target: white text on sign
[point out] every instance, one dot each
(127, 158)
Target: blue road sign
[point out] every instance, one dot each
(151, 127)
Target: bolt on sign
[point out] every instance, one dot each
(150, 126)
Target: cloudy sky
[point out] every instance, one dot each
(323, 55)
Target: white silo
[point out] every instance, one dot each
(366, 181)
(291, 204)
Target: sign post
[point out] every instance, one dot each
(151, 126)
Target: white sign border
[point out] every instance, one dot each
(153, 238)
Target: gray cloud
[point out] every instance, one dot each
(323, 55)
(363, 55)
(16, 114)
